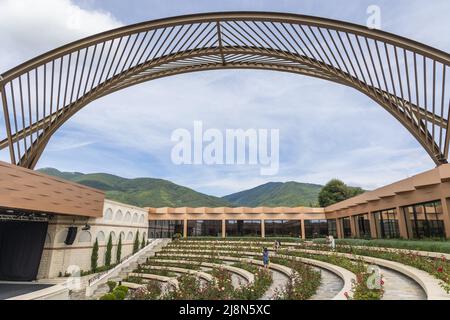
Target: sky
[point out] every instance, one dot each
(326, 130)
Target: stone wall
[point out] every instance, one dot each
(118, 220)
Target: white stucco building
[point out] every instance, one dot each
(119, 220)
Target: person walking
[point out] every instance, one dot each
(266, 258)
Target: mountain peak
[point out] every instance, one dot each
(274, 194)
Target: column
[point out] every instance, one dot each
(185, 223)
(373, 226)
(340, 234)
(263, 229)
(353, 228)
(401, 223)
(224, 231)
(303, 231)
(446, 215)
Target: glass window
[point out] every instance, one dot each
(316, 229)
(165, 228)
(332, 227)
(425, 220)
(239, 228)
(362, 224)
(282, 228)
(198, 228)
(346, 228)
(386, 223)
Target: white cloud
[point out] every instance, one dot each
(30, 27)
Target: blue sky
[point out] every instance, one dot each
(326, 130)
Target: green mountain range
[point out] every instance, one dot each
(142, 192)
(277, 194)
(149, 192)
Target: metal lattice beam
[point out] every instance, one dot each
(408, 79)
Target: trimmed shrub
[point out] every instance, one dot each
(108, 296)
(108, 251)
(120, 292)
(119, 250)
(136, 243)
(94, 256)
(111, 285)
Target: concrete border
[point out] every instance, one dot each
(172, 281)
(56, 292)
(200, 274)
(248, 276)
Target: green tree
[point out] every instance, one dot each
(94, 256)
(119, 249)
(143, 241)
(108, 251)
(335, 191)
(136, 243)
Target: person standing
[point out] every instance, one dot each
(332, 243)
(266, 258)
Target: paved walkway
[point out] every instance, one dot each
(9, 290)
(400, 287)
(279, 281)
(330, 285)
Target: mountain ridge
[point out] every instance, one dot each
(155, 192)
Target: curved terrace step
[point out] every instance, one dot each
(172, 281)
(248, 276)
(430, 254)
(344, 274)
(429, 283)
(199, 274)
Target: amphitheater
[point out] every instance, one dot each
(62, 240)
(298, 270)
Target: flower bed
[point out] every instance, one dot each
(221, 288)
(421, 245)
(438, 267)
(301, 285)
(360, 289)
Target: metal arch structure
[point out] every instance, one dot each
(408, 79)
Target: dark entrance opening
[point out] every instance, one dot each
(21, 246)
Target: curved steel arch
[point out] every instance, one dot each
(408, 79)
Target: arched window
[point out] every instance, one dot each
(61, 236)
(128, 216)
(119, 215)
(130, 236)
(108, 214)
(113, 237)
(135, 218)
(122, 236)
(101, 236)
(141, 219)
(85, 237)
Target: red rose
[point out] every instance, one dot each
(440, 269)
